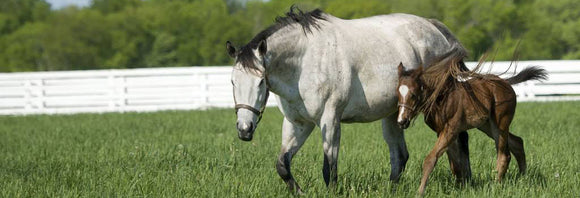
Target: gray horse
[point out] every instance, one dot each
(325, 70)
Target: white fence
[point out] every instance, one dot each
(563, 79)
(195, 88)
(115, 90)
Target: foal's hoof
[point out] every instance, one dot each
(420, 194)
(295, 189)
(299, 192)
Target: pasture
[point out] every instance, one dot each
(197, 153)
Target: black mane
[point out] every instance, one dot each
(307, 20)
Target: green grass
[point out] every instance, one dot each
(197, 153)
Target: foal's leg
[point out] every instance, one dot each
(444, 139)
(330, 128)
(516, 145)
(503, 152)
(458, 154)
(293, 137)
(395, 139)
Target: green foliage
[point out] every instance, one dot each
(15, 13)
(111, 6)
(162, 33)
(350, 9)
(198, 154)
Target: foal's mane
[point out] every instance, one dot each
(306, 20)
(441, 77)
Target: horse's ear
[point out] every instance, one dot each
(231, 49)
(262, 47)
(401, 69)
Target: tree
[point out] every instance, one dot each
(15, 13)
(159, 33)
(112, 6)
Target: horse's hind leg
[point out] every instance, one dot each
(516, 145)
(458, 154)
(293, 137)
(395, 139)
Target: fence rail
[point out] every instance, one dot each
(563, 79)
(198, 88)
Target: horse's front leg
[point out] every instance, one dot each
(395, 139)
(330, 128)
(293, 137)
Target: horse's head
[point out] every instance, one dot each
(409, 92)
(250, 86)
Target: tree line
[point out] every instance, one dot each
(164, 33)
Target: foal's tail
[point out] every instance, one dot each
(530, 73)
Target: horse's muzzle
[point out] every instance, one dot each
(245, 131)
(403, 124)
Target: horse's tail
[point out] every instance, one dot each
(530, 73)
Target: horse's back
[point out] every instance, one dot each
(376, 46)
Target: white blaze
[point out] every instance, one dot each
(403, 90)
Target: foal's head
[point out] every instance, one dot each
(409, 92)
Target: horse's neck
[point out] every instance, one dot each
(285, 50)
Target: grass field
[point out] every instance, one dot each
(197, 153)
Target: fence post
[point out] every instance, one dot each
(27, 96)
(34, 96)
(41, 104)
(530, 90)
(112, 91)
(123, 93)
(204, 89)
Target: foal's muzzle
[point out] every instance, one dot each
(401, 120)
(245, 131)
(404, 124)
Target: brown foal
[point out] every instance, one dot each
(452, 103)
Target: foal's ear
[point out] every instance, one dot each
(262, 48)
(418, 71)
(401, 69)
(231, 49)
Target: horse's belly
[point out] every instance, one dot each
(370, 105)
